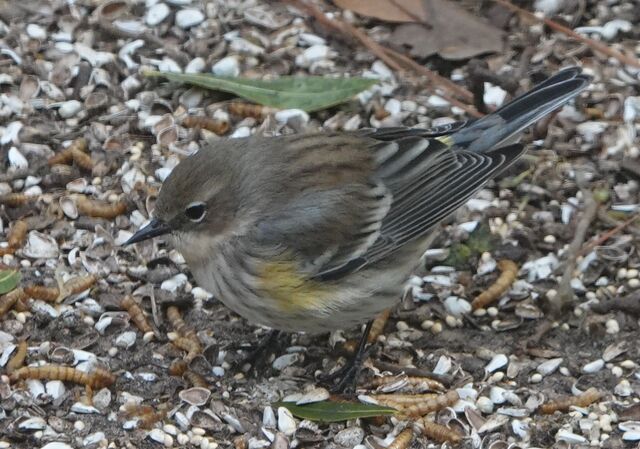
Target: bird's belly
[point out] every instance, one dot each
(346, 308)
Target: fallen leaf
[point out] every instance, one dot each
(387, 10)
(287, 92)
(452, 32)
(8, 280)
(330, 411)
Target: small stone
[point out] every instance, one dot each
(593, 367)
(617, 371)
(632, 273)
(189, 17)
(485, 405)
(349, 437)
(227, 66)
(69, 108)
(633, 283)
(286, 423)
(156, 14)
(492, 311)
(535, 378)
(628, 364)
(623, 388)
(437, 327)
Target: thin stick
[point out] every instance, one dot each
(595, 45)
(395, 60)
(606, 236)
(565, 292)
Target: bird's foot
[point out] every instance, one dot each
(259, 356)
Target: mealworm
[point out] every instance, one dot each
(440, 433)
(146, 414)
(428, 406)
(18, 358)
(17, 233)
(136, 313)
(98, 378)
(210, 124)
(402, 440)
(563, 404)
(509, 272)
(82, 159)
(242, 109)
(403, 398)
(48, 294)
(192, 347)
(16, 199)
(8, 300)
(378, 326)
(92, 208)
(79, 284)
(178, 368)
(178, 324)
(65, 156)
(195, 379)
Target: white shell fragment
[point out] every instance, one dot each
(189, 17)
(40, 246)
(498, 361)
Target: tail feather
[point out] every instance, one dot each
(505, 124)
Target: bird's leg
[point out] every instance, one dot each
(258, 355)
(347, 375)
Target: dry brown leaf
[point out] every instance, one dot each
(387, 10)
(452, 32)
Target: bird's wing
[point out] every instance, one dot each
(426, 181)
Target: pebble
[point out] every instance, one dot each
(634, 283)
(156, 14)
(593, 367)
(498, 361)
(349, 437)
(227, 66)
(612, 326)
(535, 378)
(286, 423)
(189, 17)
(69, 108)
(437, 327)
(485, 405)
(492, 311)
(623, 388)
(628, 364)
(617, 371)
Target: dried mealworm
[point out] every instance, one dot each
(178, 368)
(192, 347)
(98, 378)
(242, 109)
(178, 324)
(8, 300)
(509, 272)
(210, 124)
(440, 433)
(195, 379)
(146, 414)
(82, 159)
(563, 404)
(378, 326)
(16, 199)
(402, 440)
(17, 234)
(403, 398)
(18, 358)
(92, 208)
(65, 156)
(136, 313)
(79, 284)
(429, 405)
(48, 294)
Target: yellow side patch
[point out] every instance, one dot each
(447, 140)
(282, 282)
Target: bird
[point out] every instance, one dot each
(320, 231)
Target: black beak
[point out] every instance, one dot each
(153, 229)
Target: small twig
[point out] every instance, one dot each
(593, 44)
(444, 379)
(629, 304)
(395, 60)
(599, 240)
(565, 292)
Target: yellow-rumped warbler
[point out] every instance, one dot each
(316, 232)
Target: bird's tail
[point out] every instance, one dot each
(503, 126)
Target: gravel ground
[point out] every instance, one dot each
(70, 75)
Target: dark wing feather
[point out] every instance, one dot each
(423, 197)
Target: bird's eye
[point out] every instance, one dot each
(196, 211)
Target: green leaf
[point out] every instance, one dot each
(287, 92)
(8, 280)
(329, 411)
